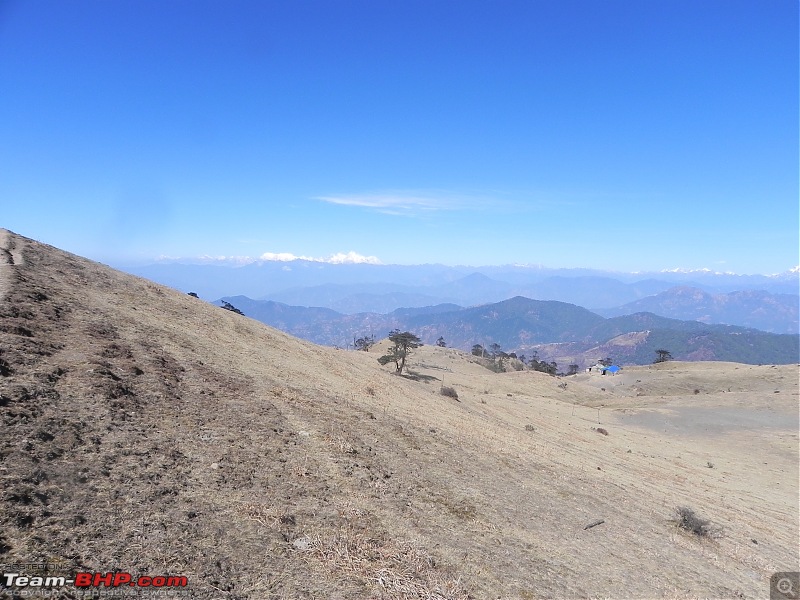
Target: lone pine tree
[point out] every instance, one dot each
(402, 345)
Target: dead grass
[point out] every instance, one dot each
(688, 520)
(394, 569)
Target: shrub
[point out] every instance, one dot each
(231, 307)
(687, 519)
(601, 430)
(449, 392)
(530, 428)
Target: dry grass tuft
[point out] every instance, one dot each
(394, 569)
(449, 392)
(687, 520)
(269, 516)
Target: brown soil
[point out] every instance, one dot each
(147, 431)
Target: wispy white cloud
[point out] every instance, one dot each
(402, 203)
(420, 203)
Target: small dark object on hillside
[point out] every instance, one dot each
(594, 524)
(530, 428)
(688, 520)
(696, 391)
(601, 430)
(231, 307)
(449, 392)
(193, 294)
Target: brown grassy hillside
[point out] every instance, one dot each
(147, 431)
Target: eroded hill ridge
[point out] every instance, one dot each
(147, 431)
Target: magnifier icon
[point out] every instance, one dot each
(786, 587)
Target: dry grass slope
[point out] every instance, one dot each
(147, 431)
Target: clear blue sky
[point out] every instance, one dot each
(622, 134)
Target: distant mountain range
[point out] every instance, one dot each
(698, 315)
(759, 309)
(309, 283)
(769, 303)
(556, 330)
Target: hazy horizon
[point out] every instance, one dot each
(624, 136)
(353, 258)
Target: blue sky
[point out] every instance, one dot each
(621, 134)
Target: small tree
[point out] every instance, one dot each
(441, 343)
(662, 356)
(494, 350)
(500, 357)
(478, 350)
(606, 362)
(364, 343)
(403, 343)
(551, 368)
(573, 369)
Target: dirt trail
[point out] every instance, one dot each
(8, 256)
